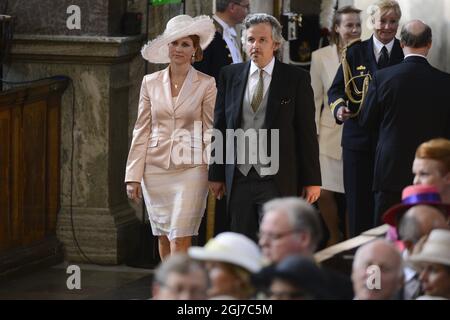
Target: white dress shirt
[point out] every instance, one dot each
(415, 55)
(230, 35)
(378, 45)
(253, 78)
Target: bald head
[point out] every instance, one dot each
(416, 37)
(427, 217)
(386, 257)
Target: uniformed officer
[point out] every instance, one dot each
(362, 59)
(225, 48)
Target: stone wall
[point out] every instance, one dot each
(106, 72)
(48, 17)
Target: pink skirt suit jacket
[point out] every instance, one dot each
(167, 151)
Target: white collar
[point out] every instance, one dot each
(226, 28)
(268, 69)
(378, 45)
(409, 273)
(415, 55)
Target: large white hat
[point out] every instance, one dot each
(181, 26)
(436, 248)
(230, 247)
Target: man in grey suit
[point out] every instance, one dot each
(264, 96)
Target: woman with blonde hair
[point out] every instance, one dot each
(345, 96)
(165, 164)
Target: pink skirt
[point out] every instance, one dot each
(175, 199)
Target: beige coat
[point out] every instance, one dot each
(324, 65)
(163, 128)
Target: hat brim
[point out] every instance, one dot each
(393, 214)
(157, 50)
(200, 253)
(425, 258)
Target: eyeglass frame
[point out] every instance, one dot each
(274, 237)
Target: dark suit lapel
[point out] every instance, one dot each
(273, 101)
(238, 94)
(396, 54)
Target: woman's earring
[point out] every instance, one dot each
(193, 58)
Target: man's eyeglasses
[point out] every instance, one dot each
(247, 6)
(271, 236)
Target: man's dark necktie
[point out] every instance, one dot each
(383, 61)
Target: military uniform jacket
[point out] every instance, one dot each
(361, 60)
(215, 56)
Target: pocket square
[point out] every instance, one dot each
(285, 101)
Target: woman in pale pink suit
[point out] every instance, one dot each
(324, 65)
(166, 164)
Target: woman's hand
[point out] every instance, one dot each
(218, 189)
(134, 191)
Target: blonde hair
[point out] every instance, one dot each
(383, 6)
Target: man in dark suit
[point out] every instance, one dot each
(358, 144)
(224, 49)
(408, 103)
(258, 97)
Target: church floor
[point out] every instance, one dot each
(97, 283)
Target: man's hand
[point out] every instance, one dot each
(218, 189)
(311, 193)
(134, 191)
(343, 114)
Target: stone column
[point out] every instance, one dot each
(199, 7)
(104, 67)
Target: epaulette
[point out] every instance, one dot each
(351, 43)
(219, 28)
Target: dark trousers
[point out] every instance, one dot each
(383, 201)
(248, 195)
(221, 221)
(358, 179)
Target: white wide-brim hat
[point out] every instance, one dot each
(157, 50)
(435, 250)
(232, 248)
